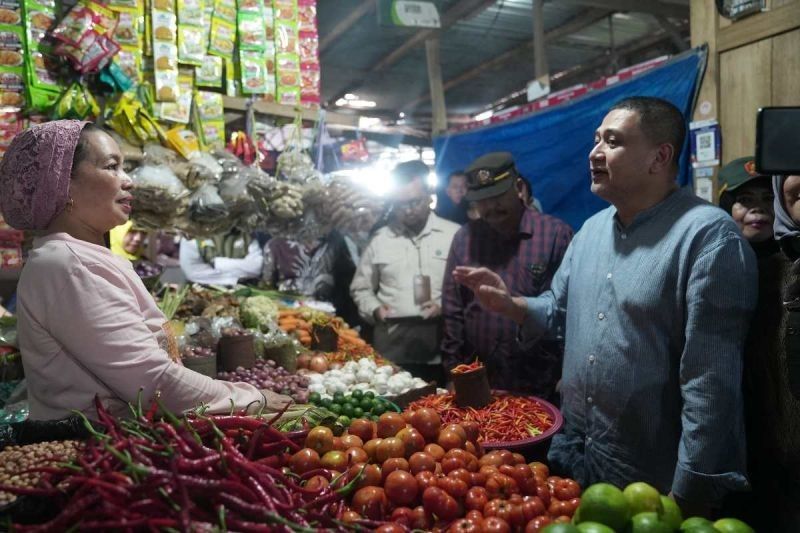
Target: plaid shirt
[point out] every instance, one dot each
(526, 262)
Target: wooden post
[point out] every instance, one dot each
(437, 89)
(541, 68)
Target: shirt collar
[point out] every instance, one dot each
(652, 212)
(528, 222)
(430, 226)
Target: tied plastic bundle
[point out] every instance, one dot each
(349, 209)
(159, 196)
(295, 165)
(207, 214)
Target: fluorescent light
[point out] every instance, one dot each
(368, 122)
(622, 16)
(341, 102)
(433, 180)
(402, 115)
(484, 115)
(350, 96)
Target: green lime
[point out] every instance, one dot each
(605, 504)
(347, 409)
(701, 528)
(314, 398)
(335, 408)
(338, 397)
(643, 497)
(357, 394)
(378, 409)
(358, 412)
(594, 527)
(672, 513)
(369, 395)
(344, 421)
(732, 525)
(694, 521)
(365, 404)
(648, 522)
(560, 528)
(326, 403)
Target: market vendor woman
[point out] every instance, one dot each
(86, 323)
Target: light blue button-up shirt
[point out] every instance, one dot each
(654, 316)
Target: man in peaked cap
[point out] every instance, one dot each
(525, 248)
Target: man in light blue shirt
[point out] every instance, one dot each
(654, 298)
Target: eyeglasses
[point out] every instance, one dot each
(414, 203)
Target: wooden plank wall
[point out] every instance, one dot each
(752, 63)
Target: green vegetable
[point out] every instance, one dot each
(257, 312)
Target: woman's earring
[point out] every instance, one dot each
(70, 205)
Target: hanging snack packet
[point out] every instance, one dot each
(288, 95)
(309, 83)
(209, 73)
(223, 36)
(285, 10)
(286, 36)
(231, 85)
(309, 46)
(211, 116)
(287, 70)
(180, 110)
(250, 6)
(191, 44)
(163, 5)
(269, 20)
(128, 32)
(225, 10)
(130, 62)
(251, 32)
(254, 72)
(183, 141)
(11, 14)
(165, 26)
(192, 12)
(307, 15)
(166, 71)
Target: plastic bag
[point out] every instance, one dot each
(8, 332)
(155, 154)
(159, 197)
(208, 214)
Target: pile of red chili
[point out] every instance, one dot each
(465, 368)
(507, 418)
(188, 474)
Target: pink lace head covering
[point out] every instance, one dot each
(35, 173)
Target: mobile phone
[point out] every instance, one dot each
(778, 140)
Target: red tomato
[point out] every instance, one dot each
(351, 441)
(500, 486)
(506, 470)
(356, 455)
(349, 517)
(422, 518)
(557, 508)
(392, 464)
(471, 448)
(491, 459)
(537, 524)
(428, 422)
(403, 515)
(552, 480)
(574, 503)
(474, 515)
(389, 424)
(304, 461)
(453, 486)
(451, 463)
(488, 470)
(563, 520)
(494, 524)
(391, 528)
(543, 492)
(371, 447)
(362, 428)
(506, 457)
(317, 483)
(435, 450)
(476, 499)
(477, 479)
(437, 502)
(420, 461)
(566, 489)
(370, 502)
(390, 447)
(401, 488)
(539, 469)
(463, 525)
(320, 439)
(425, 479)
(461, 473)
(532, 506)
(370, 476)
(458, 428)
(412, 439)
(334, 460)
(472, 430)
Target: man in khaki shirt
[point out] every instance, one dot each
(391, 283)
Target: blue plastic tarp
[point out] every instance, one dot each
(551, 148)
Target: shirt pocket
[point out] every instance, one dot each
(536, 276)
(392, 265)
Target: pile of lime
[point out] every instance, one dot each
(357, 404)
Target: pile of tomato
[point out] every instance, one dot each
(413, 472)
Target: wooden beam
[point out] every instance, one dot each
(439, 111)
(587, 18)
(271, 108)
(641, 6)
(345, 24)
(674, 33)
(541, 70)
(464, 9)
(756, 28)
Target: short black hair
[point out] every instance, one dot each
(406, 172)
(82, 148)
(454, 174)
(659, 119)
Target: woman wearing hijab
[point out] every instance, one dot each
(127, 241)
(86, 323)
